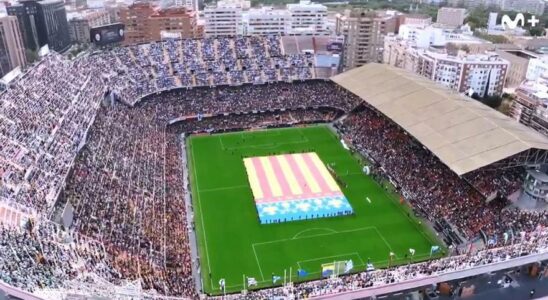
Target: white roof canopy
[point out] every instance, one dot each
(463, 133)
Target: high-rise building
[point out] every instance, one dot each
(225, 18)
(12, 50)
(41, 23)
(145, 23)
(451, 16)
(364, 33)
(81, 22)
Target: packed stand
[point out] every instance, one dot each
(430, 186)
(143, 69)
(41, 255)
(497, 182)
(45, 116)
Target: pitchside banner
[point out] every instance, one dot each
(108, 34)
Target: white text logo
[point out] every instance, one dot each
(508, 23)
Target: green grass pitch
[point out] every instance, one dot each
(233, 244)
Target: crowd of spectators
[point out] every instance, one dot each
(44, 119)
(494, 182)
(42, 255)
(429, 185)
(143, 69)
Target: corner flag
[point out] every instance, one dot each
(222, 283)
(348, 266)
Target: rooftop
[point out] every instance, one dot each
(463, 133)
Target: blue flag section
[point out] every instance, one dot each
(301, 273)
(314, 208)
(435, 249)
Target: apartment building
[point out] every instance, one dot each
(145, 23)
(234, 17)
(451, 16)
(483, 74)
(225, 18)
(307, 18)
(530, 106)
(266, 20)
(364, 33)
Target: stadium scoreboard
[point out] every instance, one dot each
(107, 34)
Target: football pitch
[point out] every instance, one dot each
(232, 242)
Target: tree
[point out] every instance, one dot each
(31, 55)
(536, 31)
(477, 18)
(492, 101)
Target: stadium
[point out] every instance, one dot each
(242, 168)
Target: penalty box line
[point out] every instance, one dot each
(312, 236)
(316, 235)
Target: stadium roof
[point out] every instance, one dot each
(463, 133)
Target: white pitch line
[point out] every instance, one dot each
(224, 188)
(310, 229)
(316, 235)
(385, 241)
(258, 263)
(201, 214)
(320, 258)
